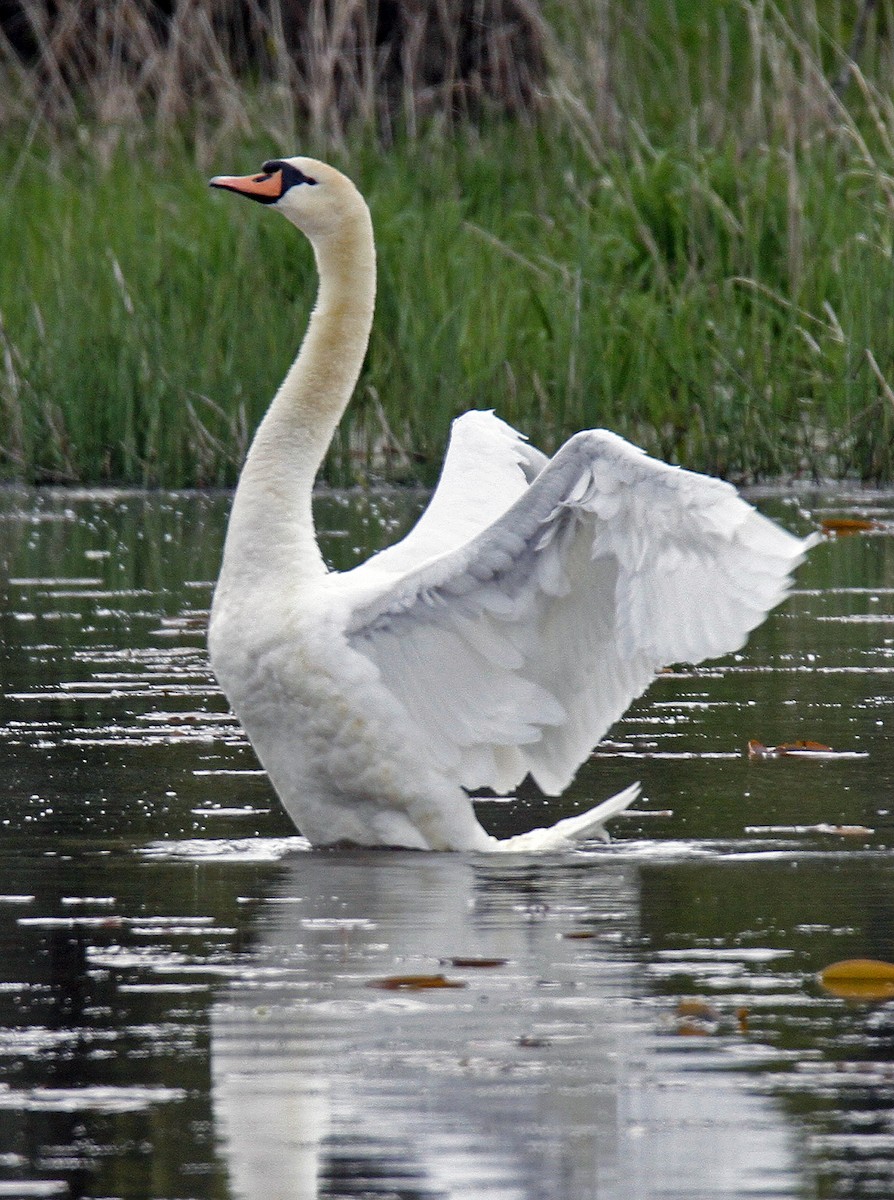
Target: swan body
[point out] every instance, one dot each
(532, 602)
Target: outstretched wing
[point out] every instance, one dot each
(487, 466)
(515, 651)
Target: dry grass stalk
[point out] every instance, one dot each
(128, 64)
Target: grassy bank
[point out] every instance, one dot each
(689, 241)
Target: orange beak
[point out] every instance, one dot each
(265, 188)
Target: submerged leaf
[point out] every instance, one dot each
(476, 962)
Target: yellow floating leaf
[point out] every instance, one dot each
(860, 968)
(859, 979)
(861, 989)
(414, 983)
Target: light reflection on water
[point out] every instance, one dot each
(185, 1006)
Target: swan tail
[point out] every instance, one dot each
(572, 830)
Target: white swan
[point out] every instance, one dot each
(502, 637)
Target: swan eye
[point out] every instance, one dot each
(291, 175)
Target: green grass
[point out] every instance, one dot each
(713, 280)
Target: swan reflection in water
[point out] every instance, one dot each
(548, 1075)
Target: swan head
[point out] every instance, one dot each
(315, 197)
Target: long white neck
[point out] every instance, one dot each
(271, 531)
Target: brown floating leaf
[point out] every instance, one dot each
(801, 747)
(579, 935)
(859, 979)
(694, 1017)
(759, 750)
(414, 983)
(694, 1029)
(476, 962)
(845, 525)
(693, 1007)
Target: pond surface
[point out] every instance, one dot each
(194, 1004)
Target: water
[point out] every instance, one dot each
(194, 1004)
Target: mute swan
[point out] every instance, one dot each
(532, 602)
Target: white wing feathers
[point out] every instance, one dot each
(516, 647)
(487, 466)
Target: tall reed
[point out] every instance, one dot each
(686, 237)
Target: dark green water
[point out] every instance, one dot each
(185, 1008)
